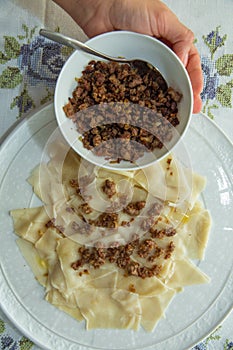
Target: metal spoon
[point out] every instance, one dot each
(143, 67)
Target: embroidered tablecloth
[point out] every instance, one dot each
(30, 64)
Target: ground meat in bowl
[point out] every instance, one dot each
(115, 101)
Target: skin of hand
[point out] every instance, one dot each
(151, 17)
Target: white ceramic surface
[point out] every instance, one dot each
(130, 45)
(191, 316)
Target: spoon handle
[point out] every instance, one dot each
(75, 44)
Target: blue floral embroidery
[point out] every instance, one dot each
(36, 61)
(8, 343)
(214, 41)
(230, 346)
(40, 61)
(24, 102)
(200, 346)
(217, 91)
(214, 36)
(211, 79)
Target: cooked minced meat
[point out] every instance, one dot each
(115, 101)
(121, 255)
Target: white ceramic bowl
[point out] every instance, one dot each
(129, 45)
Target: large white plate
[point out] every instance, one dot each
(191, 316)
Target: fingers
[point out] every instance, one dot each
(182, 47)
(168, 27)
(180, 39)
(195, 73)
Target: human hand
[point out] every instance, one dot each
(151, 17)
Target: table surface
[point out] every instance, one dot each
(29, 67)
